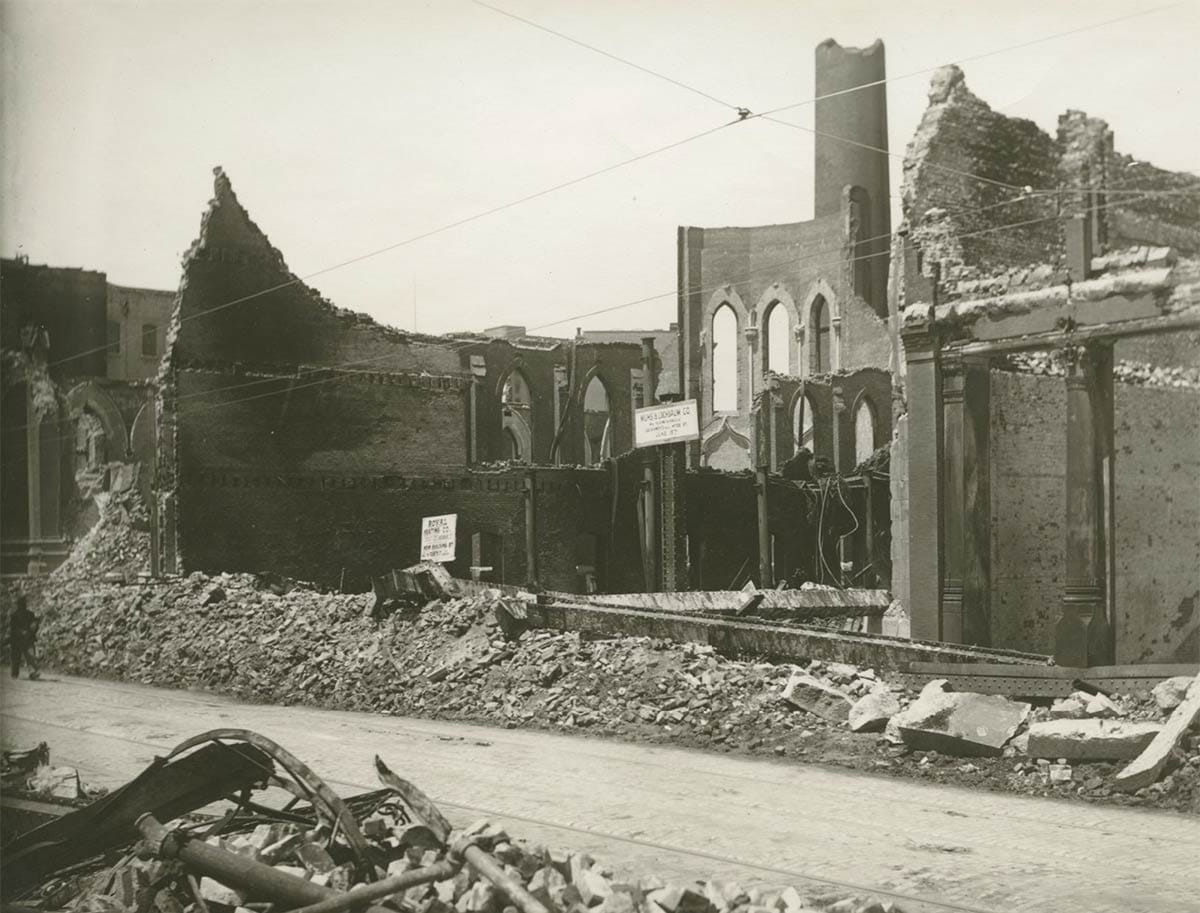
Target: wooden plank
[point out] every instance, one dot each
(1147, 767)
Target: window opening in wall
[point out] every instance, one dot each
(597, 423)
(114, 338)
(778, 342)
(864, 430)
(724, 359)
(517, 413)
(802, 424)
(149, 339)
(819, 349)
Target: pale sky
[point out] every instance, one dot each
(348, 125)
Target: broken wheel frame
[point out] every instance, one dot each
(311, 787)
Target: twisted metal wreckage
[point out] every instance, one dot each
(235, 765)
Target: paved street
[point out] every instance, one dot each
(681, 813)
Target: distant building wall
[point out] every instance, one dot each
(136, 332)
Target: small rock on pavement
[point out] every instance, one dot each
(816, 697)
(1169, 693)
(872, 711)
(1090, 740)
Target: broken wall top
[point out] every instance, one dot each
(970, 171)
(239, 303)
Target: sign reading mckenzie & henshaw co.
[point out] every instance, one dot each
(437, 537)
(666, 424)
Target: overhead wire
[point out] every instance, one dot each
(466, 343)
(981, 56)
(598, 172)
(457, 344)
(295, 280)
(608, 54)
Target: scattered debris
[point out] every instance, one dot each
(296, 857)
(1146, 768)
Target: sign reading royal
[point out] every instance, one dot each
(666, 424)
(437, 537)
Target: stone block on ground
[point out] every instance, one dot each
(814, 696)
(1169, 693)
(1147, 767)
(872, 711)
(214, 892)
(1090, 740)
(961, 723)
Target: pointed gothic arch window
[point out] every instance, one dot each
(820, 357)
(778, 344)
(516, 406)
(864, 430)
(802, 424)
(724, 359)
(597, 422)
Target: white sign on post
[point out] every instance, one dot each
(666, 424)
(437, 537)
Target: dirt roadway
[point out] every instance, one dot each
(678, 813)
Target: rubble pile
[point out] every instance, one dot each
(261, 640)
(562, 881)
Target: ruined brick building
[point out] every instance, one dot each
(805, 300)
(1033, 362)
(1046, 474)
(78, 351)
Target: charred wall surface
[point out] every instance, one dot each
(302, 439)
(1157, 437)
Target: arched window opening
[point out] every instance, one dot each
(778, 342)
(597, 423)
(864, 431)
(724, 360)
(89, 443)
(820, 357)
(802, 424)
(517, 414)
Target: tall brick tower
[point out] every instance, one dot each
(861, 117)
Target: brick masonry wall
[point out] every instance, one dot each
(314, 525)
(1157, 436)
(1158, 524)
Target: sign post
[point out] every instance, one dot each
(438, 537)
